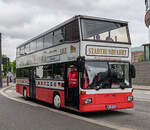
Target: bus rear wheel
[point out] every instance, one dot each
(57, 101)
(25, 94)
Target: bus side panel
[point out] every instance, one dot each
(46, 95)
(19, 88)
(62, 97)
(43, 94)
(99, 101)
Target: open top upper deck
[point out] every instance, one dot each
(72, 38)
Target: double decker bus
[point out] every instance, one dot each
(99, 48)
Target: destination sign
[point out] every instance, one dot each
(106, 51)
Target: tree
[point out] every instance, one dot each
(12, 66)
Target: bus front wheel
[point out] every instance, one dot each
(57, 101)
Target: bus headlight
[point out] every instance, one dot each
(88, 101)
(130, 98)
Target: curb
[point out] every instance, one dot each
(4, 89)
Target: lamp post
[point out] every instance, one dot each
(0, 61)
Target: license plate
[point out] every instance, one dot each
(111, 106)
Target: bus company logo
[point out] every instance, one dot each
(107, 51)
(72, 49)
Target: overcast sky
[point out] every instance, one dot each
(21, 20)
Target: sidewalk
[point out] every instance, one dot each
(141, 87)
(10, 85)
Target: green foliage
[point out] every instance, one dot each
(4, 69)
(14, 66)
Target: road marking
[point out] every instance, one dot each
(97, 122)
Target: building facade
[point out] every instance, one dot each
(147, 23)
(137, 54)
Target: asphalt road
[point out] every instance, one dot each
(19, 116)
(15, 115)
(137, 118)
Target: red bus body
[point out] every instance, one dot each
(99, 99)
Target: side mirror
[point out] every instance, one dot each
(132, 71)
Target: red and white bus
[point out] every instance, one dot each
(101, 51)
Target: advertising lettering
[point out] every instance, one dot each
(107, 51)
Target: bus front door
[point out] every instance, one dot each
(71, 94)
(32, 85)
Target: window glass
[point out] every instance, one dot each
(72, 31)
(55, 71)
(48, 40)
(18, 73)
(93, 73)
(19, 50)
(40, 43)
(58, 71)
(22, 73)
(48, 72)
(99, 75)
(119, 74)
(26, 72)
(105, 31)
(59, 36)
(22, 50)
(27, 48)
(33, 46)
(39, 72)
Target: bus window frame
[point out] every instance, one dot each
(127, 30)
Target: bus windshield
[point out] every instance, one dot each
(97, 30)
(99, 75)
